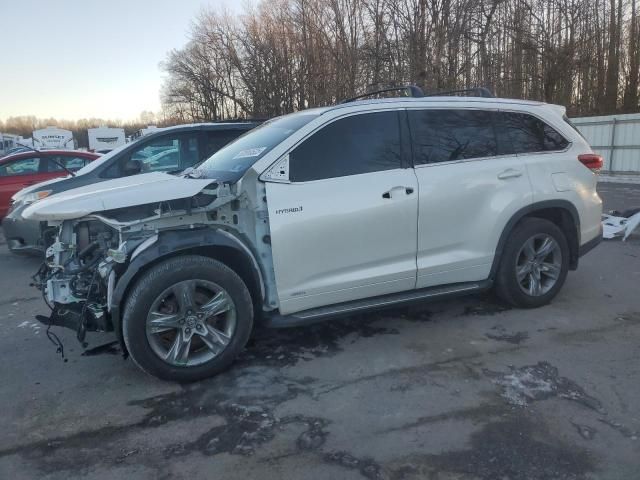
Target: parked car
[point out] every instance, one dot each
(31, 167)
(170, 150)
(322, 213)
(14, 150)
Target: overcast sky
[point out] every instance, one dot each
(73, 59)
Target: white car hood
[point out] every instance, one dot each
(118, 193)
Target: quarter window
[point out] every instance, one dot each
(447, 135)
(350, 146)
(529, 134)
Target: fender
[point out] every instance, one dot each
(168, 244)
(528, 210)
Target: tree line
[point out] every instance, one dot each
(279, 56)
(24, 125)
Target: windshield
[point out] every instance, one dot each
(232, 161)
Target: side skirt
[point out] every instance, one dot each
(315, 315)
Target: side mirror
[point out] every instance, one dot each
(132, 167)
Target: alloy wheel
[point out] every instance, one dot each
(191, 322)
(538, 265)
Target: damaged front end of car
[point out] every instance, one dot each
(79, 272)
(90, 255)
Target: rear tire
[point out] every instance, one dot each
(187, 318)
(534, 264)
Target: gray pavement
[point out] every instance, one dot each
(464, 389)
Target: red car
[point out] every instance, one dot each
(28, 168)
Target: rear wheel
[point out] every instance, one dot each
(534, 264)
(187, 318)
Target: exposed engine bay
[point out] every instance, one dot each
(89, 255)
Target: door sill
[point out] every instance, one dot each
(314, 315)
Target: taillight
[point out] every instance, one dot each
(592, 161)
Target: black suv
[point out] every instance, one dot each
(171, 150)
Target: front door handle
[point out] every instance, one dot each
(390, 193)
(509, 173)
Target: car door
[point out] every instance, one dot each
(343, 221)
(16, 175)
(470, 184)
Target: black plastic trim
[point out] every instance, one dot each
(382, 302)
(590, 245)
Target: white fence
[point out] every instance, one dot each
(616, 138)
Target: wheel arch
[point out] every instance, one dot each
(562, 213)
(218, 244)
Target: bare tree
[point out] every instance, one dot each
(284, 55)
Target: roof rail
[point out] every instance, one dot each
(412, 90)
(478, 91)
(241, 120)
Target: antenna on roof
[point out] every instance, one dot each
(412, 91)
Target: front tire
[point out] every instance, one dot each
(187, 318)
(534, 264)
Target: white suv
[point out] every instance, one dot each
(321, 213)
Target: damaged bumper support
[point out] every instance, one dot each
(78, 276)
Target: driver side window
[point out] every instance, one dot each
(169, 153)
(357, 144)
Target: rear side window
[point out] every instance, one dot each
(447, 135)
(570, 123)
(350, 146)
(528, 134)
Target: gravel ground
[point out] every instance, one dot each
(463, 389)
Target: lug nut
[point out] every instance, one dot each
(181, 322)
(198, 327)
(187, 331)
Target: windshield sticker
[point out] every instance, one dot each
(250, 152)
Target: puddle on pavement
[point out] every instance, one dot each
(243, 401)
(514, 448)
(367, 467)
(484, 305)
(285, 347)
(501, 334)
(538, 382)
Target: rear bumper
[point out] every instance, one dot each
(591, 244)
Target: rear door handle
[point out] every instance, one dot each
(389, 194)
(509, 173)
